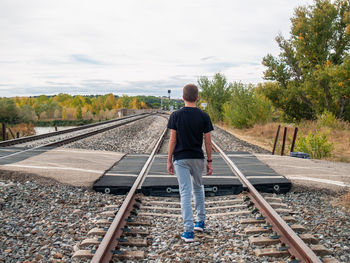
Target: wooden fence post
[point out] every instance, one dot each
(276, 138)
(13, 136)
(294, 138)
(284, 140)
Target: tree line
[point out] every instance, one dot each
(309, 77)
(67, 107)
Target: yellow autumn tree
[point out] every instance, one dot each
(119, 103)
(110, 101)
(64, 113)
(135, 103)
(143, 105)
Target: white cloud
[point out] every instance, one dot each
(134, 46)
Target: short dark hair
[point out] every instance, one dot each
(190, 92)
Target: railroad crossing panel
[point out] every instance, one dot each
(119, 179)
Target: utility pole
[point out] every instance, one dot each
(169, 91)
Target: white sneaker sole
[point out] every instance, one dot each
(187, 240)
(199, 229)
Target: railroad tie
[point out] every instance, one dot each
(262, 221)
(137, 222)
(277, 252)
(273, 199)
(132, 231)
(83, 254)
(267, 240)
(179, 209)
(264, 229)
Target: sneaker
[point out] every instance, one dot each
(199, 226)
(187, 236)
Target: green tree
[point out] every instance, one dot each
(126, 100)
(27, 114)
(340, 82)
(79, 113)
(215, 92)
(319, 43)
(246, 107)
(9, 113)
(78, 101)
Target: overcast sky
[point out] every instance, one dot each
(131, 47)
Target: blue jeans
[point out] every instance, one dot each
(189, 175)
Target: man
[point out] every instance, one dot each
(187, 127)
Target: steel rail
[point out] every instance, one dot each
(88, 134)
(50, 134)
(296, 245)
(75, 138)
(105, 251)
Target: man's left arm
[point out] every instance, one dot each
(208, 149)
(172, 144)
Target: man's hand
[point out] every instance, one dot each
(209, 168)
(170, 167)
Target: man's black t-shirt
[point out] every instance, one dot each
(190, 125)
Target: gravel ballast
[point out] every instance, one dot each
(55, 138)
(230, 143)
(137, 137)
(46, 221)
(318, 212)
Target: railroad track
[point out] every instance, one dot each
(50, 134)
(268, 224)
(108, 125)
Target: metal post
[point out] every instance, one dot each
(3, 131)
(55, 127)
(276, 138)
(294, 138)
(284, 140)
(169, 91)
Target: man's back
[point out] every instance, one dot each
(190, 124)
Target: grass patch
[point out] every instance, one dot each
(23, 129)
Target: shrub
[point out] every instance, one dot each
(328, 119)
(246, 108)
(316, 144)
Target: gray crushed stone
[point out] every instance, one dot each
(230, 143)
(137, 137)
(44, 223)
(51, 139)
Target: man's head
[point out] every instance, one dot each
(190, 93)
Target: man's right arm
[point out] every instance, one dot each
(208, 149)
(172, 144)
